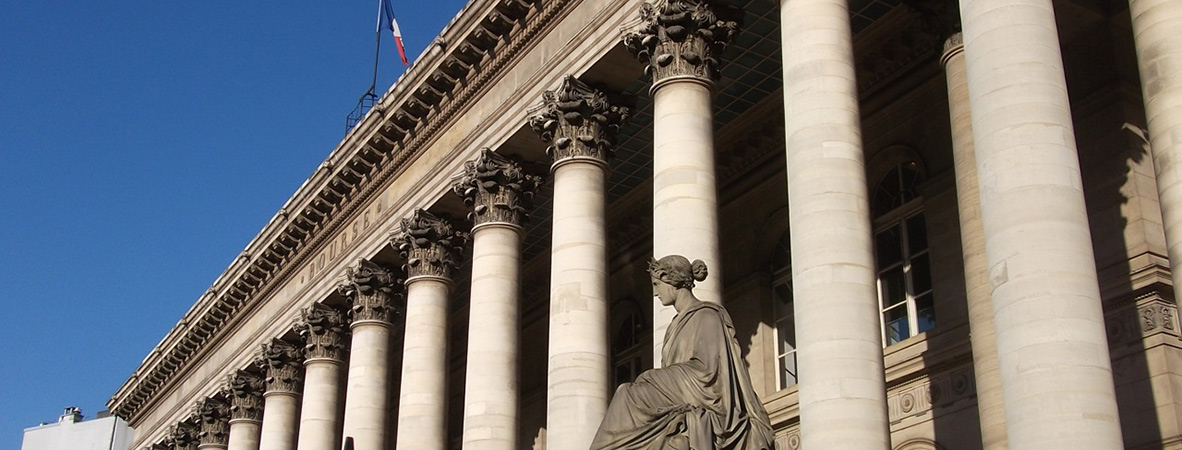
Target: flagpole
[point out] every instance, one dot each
(377, 52)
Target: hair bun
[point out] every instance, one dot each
(699, 269)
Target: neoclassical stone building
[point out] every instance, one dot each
(936, 225)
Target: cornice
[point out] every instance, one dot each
(488, 35)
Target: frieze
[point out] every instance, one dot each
(429, 244)
(578, 121)
(370, 289)
(680, 38)
(245, 392)
(1148, 315)
(936, 391)
(213, 416)
(284, 365)
(323, 329)
(497, 189)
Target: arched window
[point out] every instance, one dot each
(901, 254)
(781, 268)
(628, 330)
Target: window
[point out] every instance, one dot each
(786, 371)
(628, 330)
(902, 256)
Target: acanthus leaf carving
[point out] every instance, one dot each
(497, 188)
(370, 289)
(184, 435)
(323, 329)
(578, 121)
(429, 244)
(680, 38)
(213, 416)
(245, 390)
(283, 362)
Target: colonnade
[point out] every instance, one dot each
(1040, 354)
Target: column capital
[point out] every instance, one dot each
(429, 244)
(680, 39)
(370, 289)
(953, 46)
(213, 418)
(283, 362)
(497, 188)
(245, 391)
(578, 121)
(184, 435)
(323, 329)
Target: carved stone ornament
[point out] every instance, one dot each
(184, 435)
(213, 416)
(284, 362)
(497, 188)
(246, 395)
(323, 330)
(578, 121)
(429, 245)
(370, 290)
(680, 38)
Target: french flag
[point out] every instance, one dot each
(386, 21)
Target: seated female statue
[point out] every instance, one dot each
(701, 396)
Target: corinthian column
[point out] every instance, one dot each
(498, 190)
(246, 410)
(213, 417)
(1051, 344)
(183, 435)
(323, 329)
(580, 126)
(370, 290)
(430, 248)
(681, 41)
(833, 277)
(972, 239)
(1157, 31)
(281, 400)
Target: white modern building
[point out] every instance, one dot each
(72, 432)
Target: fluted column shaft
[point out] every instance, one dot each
(244, 434)
(1051, 345)
(682, 57)
(990, 406)
(499, 190)
(841, 385)
(370, 290)
(1157, 31)
(422, 410)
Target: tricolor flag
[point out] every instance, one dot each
(386, 20)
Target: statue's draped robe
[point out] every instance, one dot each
(702, 392)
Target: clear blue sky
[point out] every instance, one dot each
(142, 145)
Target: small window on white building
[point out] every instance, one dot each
(786, 372)
(628, 331)
(902, 257)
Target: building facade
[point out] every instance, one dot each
(71, 432)
(936, 226)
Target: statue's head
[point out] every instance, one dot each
(677, 271)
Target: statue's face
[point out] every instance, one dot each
(664, 292)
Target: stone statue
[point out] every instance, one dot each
(701, 398)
